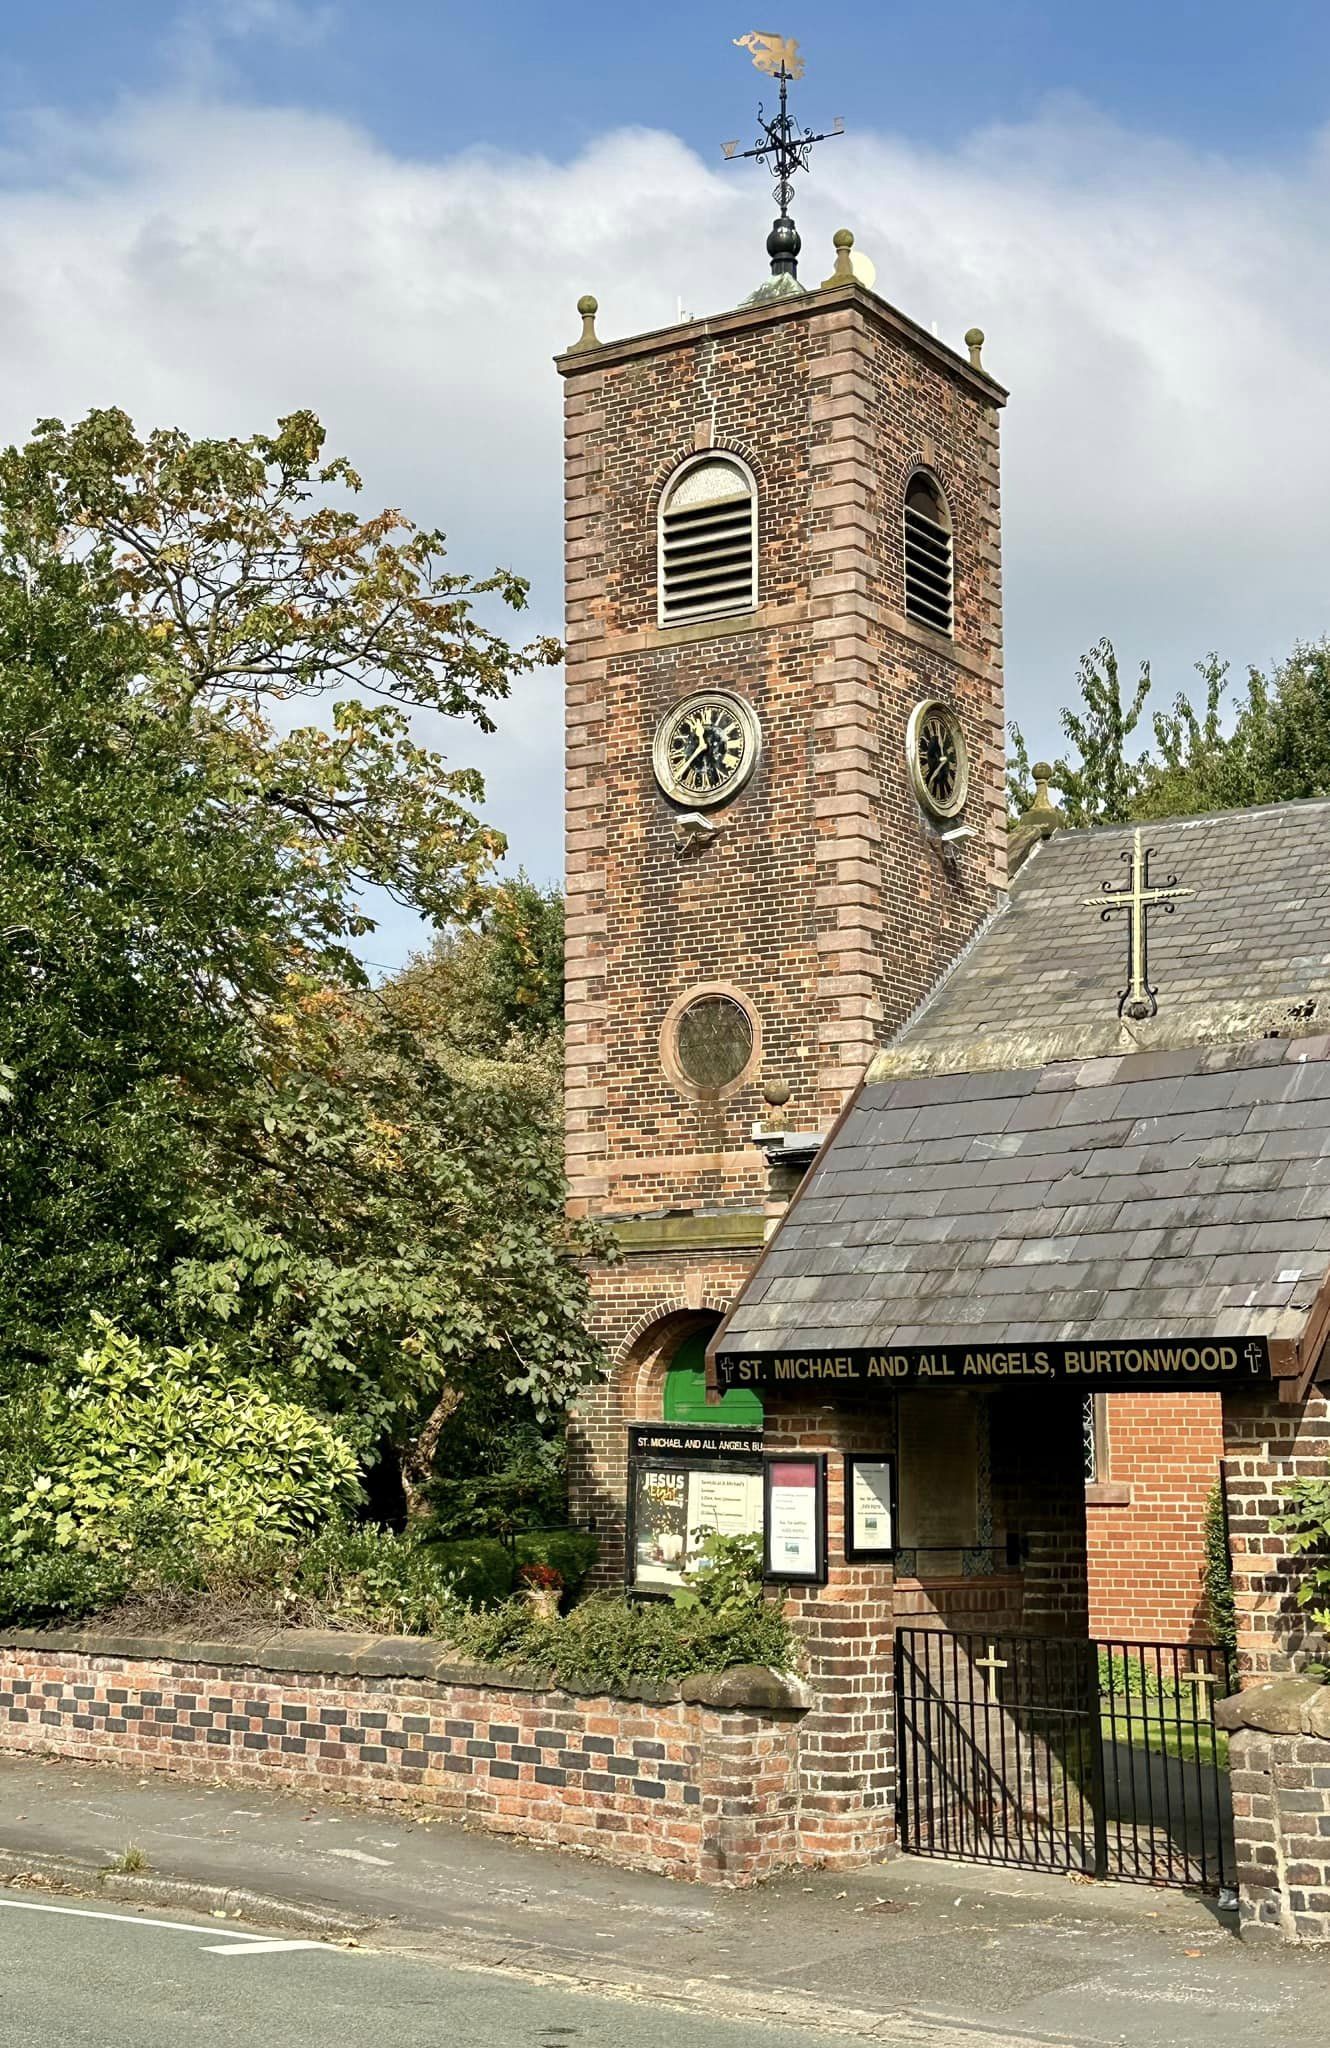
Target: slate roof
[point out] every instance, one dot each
(1241, 957)
(1021, 1166)
(1158, 1195)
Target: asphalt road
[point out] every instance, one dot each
(87, 1977)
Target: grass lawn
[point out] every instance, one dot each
(1165, 1726)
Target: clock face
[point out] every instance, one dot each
(937, 758)
(706, 748)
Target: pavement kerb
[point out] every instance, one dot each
(27, 1870)
(482, 1955)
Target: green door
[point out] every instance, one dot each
(686, 1392)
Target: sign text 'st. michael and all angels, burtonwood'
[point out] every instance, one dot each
(1209, 1364)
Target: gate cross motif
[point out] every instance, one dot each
(1097, 1755)
(990, 1666)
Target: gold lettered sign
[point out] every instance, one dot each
(1206, 1365)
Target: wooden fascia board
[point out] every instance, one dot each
(1298, 1364)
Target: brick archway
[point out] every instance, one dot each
(644, 1358)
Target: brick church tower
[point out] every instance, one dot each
(785, 810)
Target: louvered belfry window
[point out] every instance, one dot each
(708, 543)
(927, 556)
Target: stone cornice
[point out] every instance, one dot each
(586, 362)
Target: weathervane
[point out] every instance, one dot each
(783, 146)
(1137, 897)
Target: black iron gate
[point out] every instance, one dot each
(1051, 1751)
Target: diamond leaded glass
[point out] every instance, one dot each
(713, 1041)
(1090, 1438)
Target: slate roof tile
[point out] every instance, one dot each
(1182, 1231)
(1021, 1166)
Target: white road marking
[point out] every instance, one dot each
(125, 1919)
(361, 1856)
(262, 1948)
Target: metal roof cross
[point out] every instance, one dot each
(1138, 896)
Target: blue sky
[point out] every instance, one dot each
(212, 213)
(428, 78)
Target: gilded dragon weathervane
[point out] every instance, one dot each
(783, 146)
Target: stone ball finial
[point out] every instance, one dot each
(1039, 820)
(844, 273)
(974, 341)
(588, 307)
(775, 1094)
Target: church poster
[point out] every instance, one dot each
(795, 1531)
(675, 1509)
(660, 1526)
(870, 1507)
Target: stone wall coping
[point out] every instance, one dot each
(331, 1654)
(1282, 1706)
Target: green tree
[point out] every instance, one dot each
(135, 928)
(1098, 784)
(1277, 751)
(1271, 746)
(496, 985)
(182, 859)
(393, 1240)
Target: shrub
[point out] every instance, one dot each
(526, 1490)
(130, 1435)
(368, 1578)
(609, 1642)
(570, 1552)
(60, 1586)
(725, 1578)
(1307, 1526)
(478, 1568)
(1219, 1608)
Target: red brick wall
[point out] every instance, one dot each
(688, 1790)
(823, 898)
(1267, 1445)
(1145, 1518)
(647, 1306)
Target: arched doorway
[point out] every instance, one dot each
(684, 1391)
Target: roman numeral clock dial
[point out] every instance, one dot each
(936, 756)
(706, 748)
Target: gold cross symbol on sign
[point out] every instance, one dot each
(1137, 897)
(990, 1666)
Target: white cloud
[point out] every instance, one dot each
(1160, 317)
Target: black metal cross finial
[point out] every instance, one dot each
(783, 146)
(1138, 1000)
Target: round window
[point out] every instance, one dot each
(713, 1041)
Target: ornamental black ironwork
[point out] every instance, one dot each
(1137, 897)
(783, 146)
